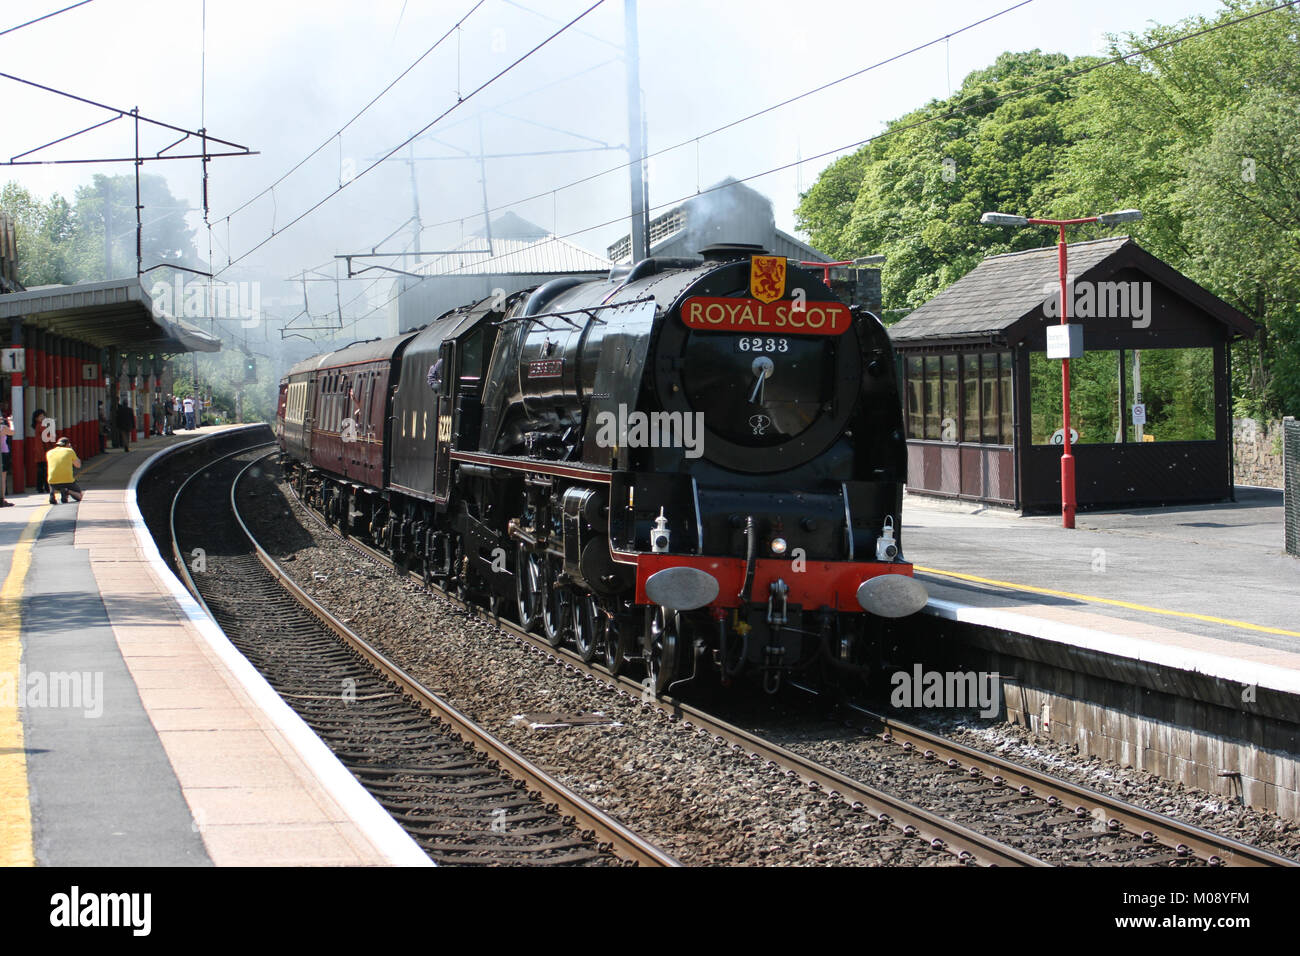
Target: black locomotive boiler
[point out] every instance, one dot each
(695, 464)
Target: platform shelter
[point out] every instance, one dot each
(74, 346)
(1151, 403)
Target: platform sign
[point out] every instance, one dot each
(1058, 437)
(13, 360)
(1139, 414)
(1064, 341)
(87, 371)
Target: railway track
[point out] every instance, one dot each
(463, 796)
(1037, 798)
(909, 820)
(1036, 793)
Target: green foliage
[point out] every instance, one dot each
(1204, 137)
(62, 242)
(43, 230)
(1177, 388)
(1169, 132)
(921, 189)
(223, 375)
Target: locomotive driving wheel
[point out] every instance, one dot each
(587, 624)
(662, 638)
(557, 610)
(530, 590)
(615, 646)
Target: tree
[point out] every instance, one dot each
(43, 231)
(1201, 136)
(60, 242)
(108, 204)
(916, 193)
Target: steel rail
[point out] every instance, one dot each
(913, 821)
(1185, 839)
(624, 841)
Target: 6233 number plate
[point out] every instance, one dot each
(761, 343)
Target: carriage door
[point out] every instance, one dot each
(309, 411)
(442, 452)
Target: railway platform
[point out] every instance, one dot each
(128, 734)
(1205, 590)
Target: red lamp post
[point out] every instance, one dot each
(1068, 499)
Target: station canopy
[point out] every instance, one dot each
(118, 313)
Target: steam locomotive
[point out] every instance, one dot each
(696, 464)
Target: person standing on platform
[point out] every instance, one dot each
(6, 433)
(43, 431)
(125, 425)
(105, 430)
(189, 413)
(61, 460)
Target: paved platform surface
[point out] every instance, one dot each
(134, 744)
(1206, 578)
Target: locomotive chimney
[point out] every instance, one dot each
(727, 251)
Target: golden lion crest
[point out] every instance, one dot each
(767, 278)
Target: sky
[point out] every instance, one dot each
(282, 77)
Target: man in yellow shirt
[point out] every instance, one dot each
(60, 460)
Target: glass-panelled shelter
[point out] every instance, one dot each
(1150, 398)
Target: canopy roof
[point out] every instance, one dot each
(1004, 295)
(118, 313)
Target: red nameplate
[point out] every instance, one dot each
(785, 317)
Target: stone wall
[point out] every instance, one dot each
(1257, 452)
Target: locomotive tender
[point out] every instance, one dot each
(696, 463)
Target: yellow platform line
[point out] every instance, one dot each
(15, 804)
(1101, 600)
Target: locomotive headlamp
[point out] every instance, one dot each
(886, 548)
(659, 535)
(778, 545)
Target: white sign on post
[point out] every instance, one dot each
(1139, 414)
(1058, 437)
(13, 360)
(1064, 341)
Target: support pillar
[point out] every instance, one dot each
(16, 441)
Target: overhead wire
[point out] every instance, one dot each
(459, 102)
(55, 13)
(694, 140)
(342, 129)
(895, 130)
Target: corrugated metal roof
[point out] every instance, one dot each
(784, 244)
(506, 256)
(116, 313)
